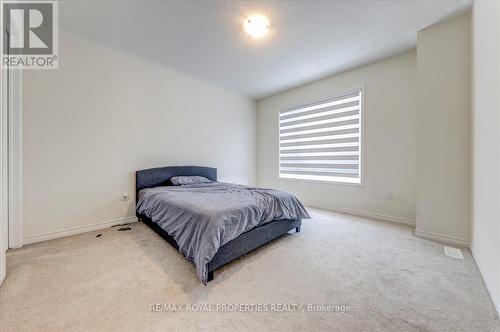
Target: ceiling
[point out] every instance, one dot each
(308, 39)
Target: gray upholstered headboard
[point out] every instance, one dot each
(154, 177)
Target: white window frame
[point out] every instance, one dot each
(362, 146)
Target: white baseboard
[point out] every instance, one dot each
(404, 221)
(76, 230)
(446, 239)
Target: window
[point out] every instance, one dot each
(322, 141)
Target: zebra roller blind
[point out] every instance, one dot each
(322, 141)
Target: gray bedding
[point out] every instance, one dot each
(203, 217)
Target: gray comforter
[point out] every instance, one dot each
(203, 217)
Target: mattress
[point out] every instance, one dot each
(203, 217)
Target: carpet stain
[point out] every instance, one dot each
(119, 225)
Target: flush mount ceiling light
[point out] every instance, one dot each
(256, 26)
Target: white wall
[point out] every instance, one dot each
(443, 137)
(389, 144)
(4, 239)
(485, 240)
(104, 114)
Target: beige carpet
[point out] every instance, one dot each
(391, 280)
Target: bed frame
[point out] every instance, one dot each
(232, 250)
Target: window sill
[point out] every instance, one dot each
(336, 183)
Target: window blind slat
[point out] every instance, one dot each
(320, 170)
(320, 177)
(349, 175)
(317, 154)
(327, 141)
(322, 129)
(319, 146)
(338, 101)
(319, 167)
(333, 113)
(322, 141)
(318, 162)
(354, 102)
(330, 121)
(319, 138)
(352, 150)
(354, 157)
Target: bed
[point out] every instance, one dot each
(214, 223)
